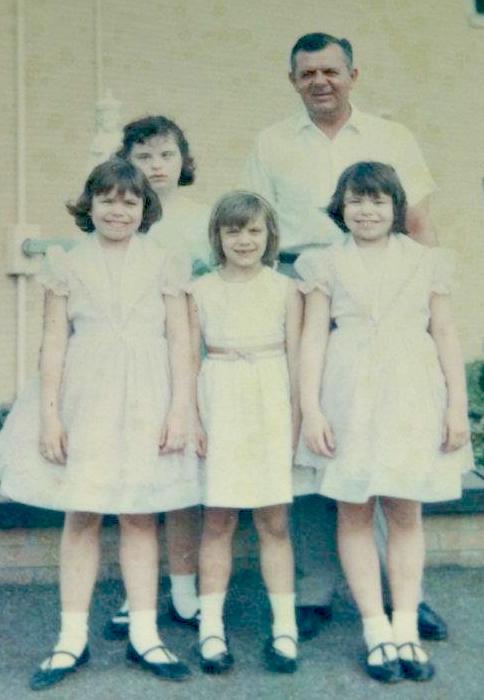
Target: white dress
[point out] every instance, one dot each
(383, 390)
(245, 400)
(115, 390)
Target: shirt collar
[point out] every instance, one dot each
(355, 122)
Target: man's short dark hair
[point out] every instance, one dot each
(318, 41)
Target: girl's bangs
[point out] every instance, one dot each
(238, 213)
(121, 182)
(368, 183)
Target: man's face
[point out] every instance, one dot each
(323, 80)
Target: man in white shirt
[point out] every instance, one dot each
(295, 164)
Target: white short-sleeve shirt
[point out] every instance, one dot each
(296, 167)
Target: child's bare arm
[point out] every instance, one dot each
(443, 331)
(174, 433)
(316, 430)
(196, 346)
(53, 439)
(294, 316)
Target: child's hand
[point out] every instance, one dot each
(173, 436)
(456, 429)
(53, 441)
(318, 434)
(199, 437)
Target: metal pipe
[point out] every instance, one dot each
(21, 301)
(98, 49)
(39, 246)
(21, 193)
(21, 330)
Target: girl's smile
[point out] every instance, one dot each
(368, 217)
(116, 216)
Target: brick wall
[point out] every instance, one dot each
(31, 555)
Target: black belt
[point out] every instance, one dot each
(288, 258)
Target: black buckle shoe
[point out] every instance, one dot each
(170, 670)
(430, 624)
(275, 660)
(414, 669)
(220, 663)
(193, 622)
(44, 678)
(387, 672)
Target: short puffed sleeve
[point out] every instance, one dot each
(175, 273)
(443, 270)
(54, 274)
(314, 267)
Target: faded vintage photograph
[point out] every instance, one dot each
(242, 349)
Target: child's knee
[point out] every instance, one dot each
(402, 514)
(271, 522)
(356, 515)
(78, 522)
(137, 522)
(219, 522)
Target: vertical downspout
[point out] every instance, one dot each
(21, 195)
(98, 49)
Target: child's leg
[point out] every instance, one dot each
(405, 561)
(215, 568)
(182, 529)
(79, 558)
(277, 564)
(139, 565)
(359, 559)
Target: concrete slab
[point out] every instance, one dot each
(329, 669)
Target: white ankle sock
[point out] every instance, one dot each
(377, 629)
(143, 635)
(284, 624)
(184, 594)
(405, 629)
(72, 638)
(125, 607)
(212, 624)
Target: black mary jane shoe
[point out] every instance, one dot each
(117, 627)
(193, 622)
(275, 660)
(220, 663)
(170, 670)
(387, 672)
(44, 678)
(414, 669)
